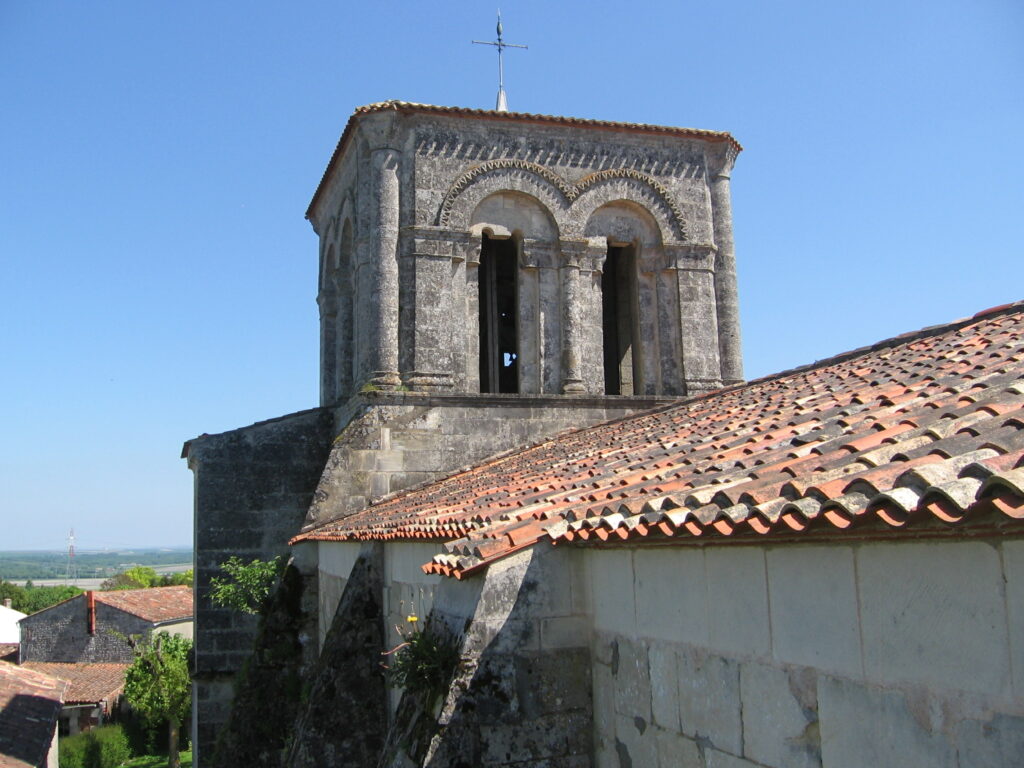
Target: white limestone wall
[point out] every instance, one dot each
(9, 629)
(841, 656)
(335, 561)
(186, 629)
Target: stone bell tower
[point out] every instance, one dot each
(472, 252)
(487, 279)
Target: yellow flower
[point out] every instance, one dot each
(412, 618)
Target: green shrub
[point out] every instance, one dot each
(108, 748)
(423, 663)
(71, 751)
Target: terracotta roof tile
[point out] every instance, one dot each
(157, 604)
(922, 432)
(88, 683)
(29, 704)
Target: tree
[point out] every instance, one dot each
(12, 592)
(29, 599)
(158, 686)
(183, 578)
(139, 577)
(248, 586)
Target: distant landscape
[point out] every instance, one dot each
(90, 564)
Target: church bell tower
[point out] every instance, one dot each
(483, 252)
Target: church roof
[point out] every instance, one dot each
(920, 435)
(409, 107)
(29, 705)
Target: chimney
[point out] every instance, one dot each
(7, 602)
(90, 611)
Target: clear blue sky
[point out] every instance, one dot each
(157, 277)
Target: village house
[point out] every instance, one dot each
(93, 626)
(534, 440)
(10, 632)
(29, 704)
(93, 694)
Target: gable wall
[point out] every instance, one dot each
(61, 634)
(839, 655)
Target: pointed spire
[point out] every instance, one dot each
(502, 102)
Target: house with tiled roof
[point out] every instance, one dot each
(29, 704)
(93, 694)
(535, 445)
(92, 627)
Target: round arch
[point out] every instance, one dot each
(606, 187)
(479, 183)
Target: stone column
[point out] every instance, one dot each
(573, 253)
(470, 253)
(382, 306)
(582, 360)
(698, 315)
(532, 254)
(328, 345)
(436, 330)
(720, 163)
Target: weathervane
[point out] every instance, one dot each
(502, 105)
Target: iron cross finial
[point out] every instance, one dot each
(501, 45)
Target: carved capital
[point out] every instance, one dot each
(380, 130)
(721, 158)
(700, 256)
(586, 255)
(538, 254)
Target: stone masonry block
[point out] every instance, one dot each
(664, 685)
(862, 725)
(635, 742)
(715, 759)
(737, 601)
(611, 590)
(564, 632)
(997, 742)
(919, 601)
(604, 706)
(778, 729)
(676, 751)
(547, 584)
(1013, 572)
(814, 608)
(632, 680)
(550, 682)
(430, 460)
(671, 594)
(709, 698)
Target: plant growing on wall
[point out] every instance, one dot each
(248, 586)
(423, 662)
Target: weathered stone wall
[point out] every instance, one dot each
(61, 633)
(259, 726)
(252, 489)
(344, 717)
(520, 695)
(836, 656)
(395, 440)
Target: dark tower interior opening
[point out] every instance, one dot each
(618, 305)
(499, 348)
